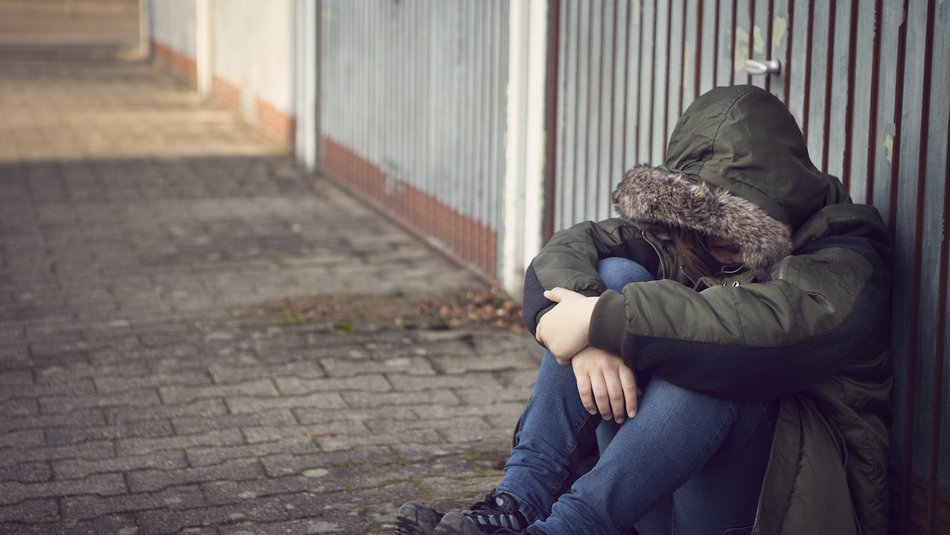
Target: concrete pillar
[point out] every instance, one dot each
(204, 28)
(306, 81)
(521, 234)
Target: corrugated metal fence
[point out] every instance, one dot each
(413, 114)
(868, 82)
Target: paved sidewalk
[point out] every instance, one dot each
(140, 231)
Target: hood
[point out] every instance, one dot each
(737, 167)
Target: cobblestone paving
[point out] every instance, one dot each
(138, 226)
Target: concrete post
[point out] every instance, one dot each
(204, 28)
(520, 236)
(306, 77)
(145, 28)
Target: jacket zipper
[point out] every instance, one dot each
(783, 267)
(656, 250)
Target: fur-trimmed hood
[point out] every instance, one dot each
(737, 167)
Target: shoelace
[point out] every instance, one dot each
(497, 511)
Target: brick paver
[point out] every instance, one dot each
(139, 228)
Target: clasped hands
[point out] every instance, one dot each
(604, 382)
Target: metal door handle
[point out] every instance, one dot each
(771, 66)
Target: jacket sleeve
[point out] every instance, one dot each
(822, 310)
(570, 258)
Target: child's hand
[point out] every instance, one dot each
(606, 384)
(563, 330)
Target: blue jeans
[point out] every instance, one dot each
(688, 463)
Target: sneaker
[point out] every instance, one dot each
(417, 519)
(497, 514)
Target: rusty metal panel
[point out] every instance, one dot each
(779, 46)
(706, 55)
(647, 65)
(869, 90)
(863, 85)
(692, 53)
(742, 42)
(587, 194)
(634, 76)
(761, 38)
(618, 109)
(675, 68)
(412, 95)
(725, 43)
(819, 83)
(836, 135)
(659, 74)
(938, 177)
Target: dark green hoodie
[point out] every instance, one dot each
(807, 322)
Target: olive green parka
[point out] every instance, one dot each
(806, 322)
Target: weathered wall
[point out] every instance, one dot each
(172, 31)
(249, 59)
(263, 88)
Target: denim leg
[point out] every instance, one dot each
(618, 272)
(709, 454)
(724, 493)
(675, 433)
(542, 460)
(554, 431)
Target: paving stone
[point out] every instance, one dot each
(488, 396)
(361, 400)
(26, 472)
(201, 456)
(15, 377)
(185, 394)
(488, 410)
(315, 415)
(413, 383)
(204, 408)
(171, 498)
(119, 429)
(12, 492)
(85, 450)
(117, 371)
(141, 446)
(19, 407)
(109, 384)
(78, 419)
(337, 522)
(234, 470)
(363, 476)
(339, 442)
(138, 398)
(29, 512)
(113, 524)
(194, 424)
(79, 468)
(341, 367)
(225, 492)
(22, 439)
(297, 386)
(323, 401)
(296, 464)
(160, 521)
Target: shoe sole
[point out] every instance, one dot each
(416, 519)
(457, 524)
